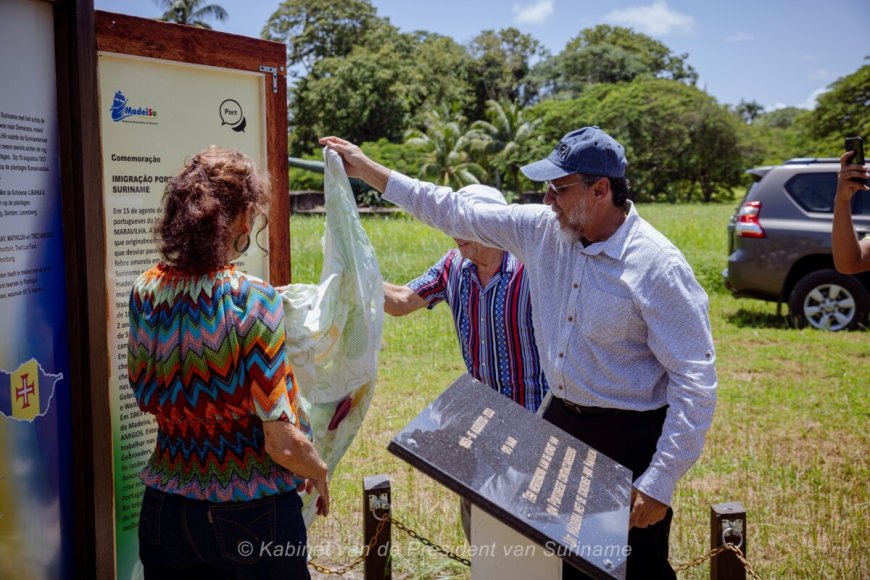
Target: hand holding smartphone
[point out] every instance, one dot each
(857, 145)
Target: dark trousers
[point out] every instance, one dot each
(191, 539)
(629, 438)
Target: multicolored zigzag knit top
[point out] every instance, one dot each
(206, 357)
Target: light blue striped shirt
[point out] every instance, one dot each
(620, 324)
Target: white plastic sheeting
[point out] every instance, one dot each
(334, 328)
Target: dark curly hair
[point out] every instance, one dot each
(200, 204)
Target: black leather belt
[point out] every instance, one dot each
(583, 410)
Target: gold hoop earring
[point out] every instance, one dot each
(245, 246)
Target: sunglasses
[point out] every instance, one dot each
(559, 189)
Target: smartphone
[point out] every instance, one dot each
(857, 145)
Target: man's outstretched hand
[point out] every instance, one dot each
(357, 164)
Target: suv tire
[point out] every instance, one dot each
(828, 300)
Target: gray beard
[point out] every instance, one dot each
(568, 235)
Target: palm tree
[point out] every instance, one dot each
(190, 12)
(503, 137)
(749, 110)
(447, 144)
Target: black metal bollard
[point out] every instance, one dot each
(728, 525)
(376, 507)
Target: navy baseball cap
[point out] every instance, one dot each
(589, 150)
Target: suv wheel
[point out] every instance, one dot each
(828, 300)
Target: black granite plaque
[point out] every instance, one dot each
(527, 473)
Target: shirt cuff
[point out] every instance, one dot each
(431, 299)
(657, 484)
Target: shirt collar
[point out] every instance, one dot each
(615, 245)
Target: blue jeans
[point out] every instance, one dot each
(186, 538)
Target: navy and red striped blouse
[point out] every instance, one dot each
(493, 324)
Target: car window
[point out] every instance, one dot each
(814, 192)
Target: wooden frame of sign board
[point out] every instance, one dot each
(81, 187)
(78, 29)
(128, 35)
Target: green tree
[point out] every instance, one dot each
(362, 97)
(657, 57)
(559, 116)
(504, 137)
(380, 88)
(191, 12)
(773, 137)
(439, 74)
(445, 143)
(715, 162)
(567, 75)
(503, 63)
(842, 111)
(678, 140)
(783, 118)
(749, 110)
(316, 29)
(609, 54)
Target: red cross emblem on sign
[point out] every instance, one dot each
(24, 391)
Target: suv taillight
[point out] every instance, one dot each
(747, 225)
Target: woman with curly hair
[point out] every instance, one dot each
(206, 357)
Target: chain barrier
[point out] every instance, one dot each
(715, 552)
(466, 562)
(383, 522)
(429, 543)
(358, 560)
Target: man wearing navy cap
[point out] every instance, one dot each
(620, 320)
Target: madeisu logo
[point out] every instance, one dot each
(121, 111)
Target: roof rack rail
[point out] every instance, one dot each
(810, 160)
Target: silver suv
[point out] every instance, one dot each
(779, 245)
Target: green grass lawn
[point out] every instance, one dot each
(789, 439)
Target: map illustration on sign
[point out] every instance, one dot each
(26, 392)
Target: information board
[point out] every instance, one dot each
(155, 115)
(35, 432)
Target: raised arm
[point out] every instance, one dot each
(851, 256)
(357, 164)
(401, 300)
(512, 228)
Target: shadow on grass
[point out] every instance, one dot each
(754, 319)
(744, 318)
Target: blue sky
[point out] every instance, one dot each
(776, 52)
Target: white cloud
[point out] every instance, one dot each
(810, 102)
(656, 19)
(818, 74)
(739, 37)
(536, 13)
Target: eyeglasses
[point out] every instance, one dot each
(559, 189)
